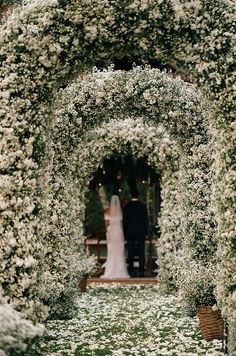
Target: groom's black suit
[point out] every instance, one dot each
(135, 224)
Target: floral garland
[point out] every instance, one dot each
(144, 92)
(74, 36)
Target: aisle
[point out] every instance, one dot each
(139, 280)
(127, 320)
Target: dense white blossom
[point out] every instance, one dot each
(43, 44)
(15, 332)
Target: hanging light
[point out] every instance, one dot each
(119, 176)
(99, 184)
(103, 172)
(143, 181)
(119, 190)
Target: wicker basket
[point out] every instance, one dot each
(83, 284)
(211, 323)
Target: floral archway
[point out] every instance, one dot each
(69, 36)
(157, 98)
(136, 137)
(70, 183)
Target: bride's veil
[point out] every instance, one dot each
(115, 209)
(115, 266)
(115, 227)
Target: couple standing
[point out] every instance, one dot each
(133, 226)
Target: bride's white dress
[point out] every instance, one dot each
(115, 266)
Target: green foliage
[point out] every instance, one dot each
(65, 307)
(94, 214)
(12, 2)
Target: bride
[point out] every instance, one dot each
(115, 266)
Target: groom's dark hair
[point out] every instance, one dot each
(135, 193)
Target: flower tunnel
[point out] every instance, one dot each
(98, 107)
(62, 198)
(41, 129)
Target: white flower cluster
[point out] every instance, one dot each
(146, 93)
(15, 332)
(198, 287)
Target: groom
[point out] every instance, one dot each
(135, 224)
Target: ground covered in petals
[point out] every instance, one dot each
(127, 320)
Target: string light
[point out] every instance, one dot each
(119, 190)
(103, 172)
(143, 181)
(99, 184)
